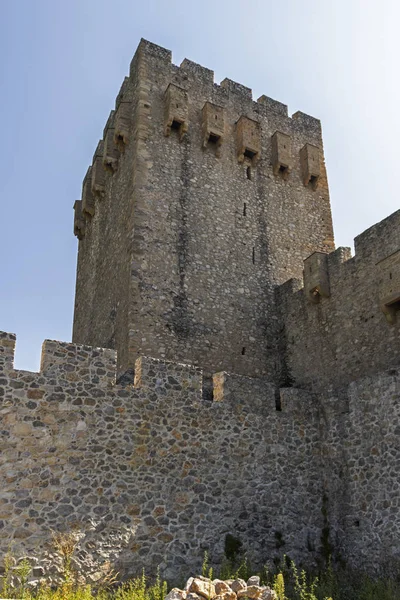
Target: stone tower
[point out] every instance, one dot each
(198, 203)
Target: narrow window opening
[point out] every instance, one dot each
(278, 403)
(248, 173)
(208, 388)
(213, 138)
(176, 125)
(177, 106)
(390, 276)
(243, 351)
(249, 154)
(244, 209)
(254, 255)
(216, 117)
(313, 181)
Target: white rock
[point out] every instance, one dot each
(203, 587)
(226, 596)
(193, 596)
(268, 594)
(254, 580)
(251, 591)
(188, 584)
(237, 585)
(221, 587)
(176, 594)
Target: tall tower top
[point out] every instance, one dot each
(198, 203)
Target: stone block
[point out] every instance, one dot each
(200, 73)
(98, 172)
(213, 126)
(111, 152)
(159, 53)
(122, 124)
(310, 165)
(176, 110)
(248, 139)
(273, 105)
(281, 154)
(162, 375)
(7, 349)
(307, 123)
(79, 220)
(316, 277)
(75, 361)
(88, 203)
(238, 389)
(234, 87)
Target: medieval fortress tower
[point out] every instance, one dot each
(250, 385)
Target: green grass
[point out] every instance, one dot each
(288, 581)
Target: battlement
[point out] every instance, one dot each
(343, 322)
(7, 349)
(72, 366)
(189, 69)
(70, 362)
(189, 74)
(380, 240)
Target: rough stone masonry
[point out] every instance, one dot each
(269, 409)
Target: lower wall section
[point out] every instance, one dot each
(362, 470)
(151, 474)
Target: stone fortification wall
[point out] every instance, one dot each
(152, 474)
(361, 458)
(345, 322)
(208, 200)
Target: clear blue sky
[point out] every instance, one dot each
(62, 66)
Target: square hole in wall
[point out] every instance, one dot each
(283, 171)
(176, 125)
(249, 154)
(213, 138)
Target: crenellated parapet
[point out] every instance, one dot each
(7, 349)
(213, 113)
(344, 322)
(71, 362)
(68, 368)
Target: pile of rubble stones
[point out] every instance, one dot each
(202, 588)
